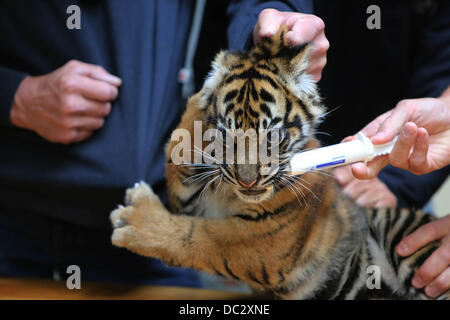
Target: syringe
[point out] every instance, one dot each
(359, 150)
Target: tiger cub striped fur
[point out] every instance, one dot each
(295, 237)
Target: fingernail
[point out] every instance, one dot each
(115, 79)
(417, 282)
(403, 249)
(111, 79)
(421, 135)
(267, 32)
(407, 132)
(431, 291)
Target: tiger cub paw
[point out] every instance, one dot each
(139, 226)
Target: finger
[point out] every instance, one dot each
(386, 202)
(89, 88)
(304, 29)
(349, 138)
(320, 45)
(423, 235)
(268, 24)
(318, 58)
(356, 188)
(439, 285)
(316, 66)
(360, 171)
(392, 124)
(90, 123)
(93, 71)
(384, 197)
(373, 127)
(95, 109)
(82, 123)
(89, 108)
(433, 266)
(418, 158)
(367, 199)
(399, 156)
(370, 170)
(105, 77)
(73, 136)
(381, 199)
(82, 135)
(343, 175)
(316, 75)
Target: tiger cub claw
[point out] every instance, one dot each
(139, 193)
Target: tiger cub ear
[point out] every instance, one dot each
(221, 66)
(292, 61)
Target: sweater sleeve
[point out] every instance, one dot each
(431, 59)
(411, 190)
(9, 82)
(243, 15)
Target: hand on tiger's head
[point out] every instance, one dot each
(302, 28)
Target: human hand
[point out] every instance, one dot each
(302, 28)
(66, 105)
(423, 145)
(371, 193)
(435, 271)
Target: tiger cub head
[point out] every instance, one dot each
(268, 90)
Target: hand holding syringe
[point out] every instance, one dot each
(359, 150)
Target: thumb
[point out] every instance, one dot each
(371, 170)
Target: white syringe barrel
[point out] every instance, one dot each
(333, 156)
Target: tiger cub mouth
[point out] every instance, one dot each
(252, 192)
(254, 195)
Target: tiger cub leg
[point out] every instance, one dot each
(218, 246)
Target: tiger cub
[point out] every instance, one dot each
(294, 237)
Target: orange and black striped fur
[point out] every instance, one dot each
(295, 237)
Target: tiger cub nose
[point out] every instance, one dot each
(245, 185)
